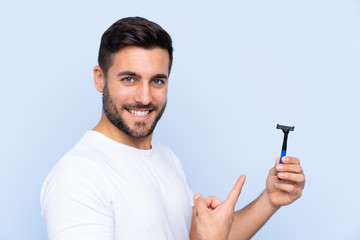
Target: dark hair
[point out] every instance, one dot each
(132, 31)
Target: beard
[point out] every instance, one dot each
(113, 114)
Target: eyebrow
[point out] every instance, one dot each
(129, 73)
(160, 75)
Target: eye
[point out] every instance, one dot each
(158, 81)
(128, 79)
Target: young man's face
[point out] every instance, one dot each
(134, 95)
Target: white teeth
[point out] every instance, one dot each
(139, 113)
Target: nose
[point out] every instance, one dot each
(143, 94)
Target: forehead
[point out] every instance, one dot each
(140, 60)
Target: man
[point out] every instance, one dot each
(118, 184)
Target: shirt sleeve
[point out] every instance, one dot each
(75, 204)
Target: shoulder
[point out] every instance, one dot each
(81, 162)
(75, 166)
(84, 159)
(79, 172)
(71, 173)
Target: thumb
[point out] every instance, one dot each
(277, 160)
(235, 192)
(200, 204)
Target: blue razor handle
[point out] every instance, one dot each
(283, 153)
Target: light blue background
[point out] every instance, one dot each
(240, 67)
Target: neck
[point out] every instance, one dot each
(108, 129)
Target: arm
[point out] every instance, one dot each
(73, 202)
(250, 219)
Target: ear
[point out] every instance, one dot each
(99, 79)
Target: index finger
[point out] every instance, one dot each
(235, 192)
(291, 160)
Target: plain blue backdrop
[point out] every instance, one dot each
(240, 67)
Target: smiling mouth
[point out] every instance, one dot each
(139, 113)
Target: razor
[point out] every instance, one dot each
(286, 130)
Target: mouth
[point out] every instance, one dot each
(139, 114)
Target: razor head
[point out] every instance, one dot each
(285, 128)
